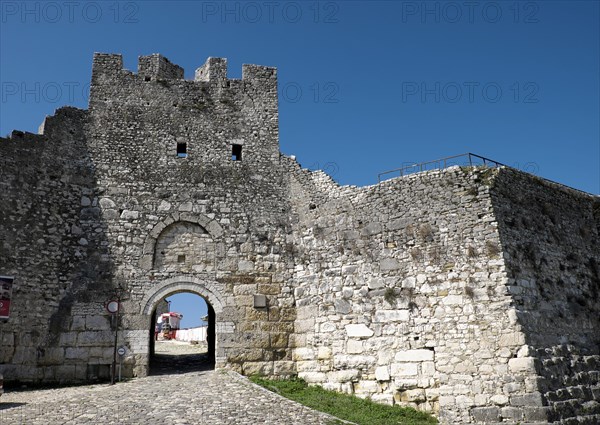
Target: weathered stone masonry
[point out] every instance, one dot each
(472, 293)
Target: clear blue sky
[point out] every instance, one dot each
(192, 306)
(364, 86)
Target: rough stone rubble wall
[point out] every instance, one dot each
(400, 294)
(551, 240)
(403, 295)
(56, 251)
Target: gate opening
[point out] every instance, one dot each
(182, 335)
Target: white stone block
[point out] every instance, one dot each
(452, 300)
(358, 331)
(414, 356)
(389, 264)
(324, 353)
(382, 373)
(376, 283)
(404, 369)
(522, 364)
(343, 375)
(499, 399)
(304, 354)
(405, 383)
(384, 316)
(354, 347)
(383, 398)
(368, 387)
(428, 368)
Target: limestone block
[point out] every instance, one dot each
(511, 387)
(88, 338)
(245, 265)
(522, 364)
(51, 356)
(352, 361)
(382, 373)
(358, 331)
(413, 396)
(530, 399)
(304, 325)
(499, 399)
(383, 398)
(366, 387)
(388, 264)
(432, 394)
(453, 300)
(512, 339)
(327, 327)
(186, 207)
(342, 306)
(348, 269)
(428, 368)
(409, 282)
(107, 203)
(464, 401)
(65, 372)
(130, 215)
(303, 353)
(536, 414)
(512, 413)
(485, 414)
(414, 356)
(258, 368)
(324, 353)
(68, 338)
(78, 323)
(384, 316)
(344, 375)
(96, 322)
(354, 347)
(284, 368)
(404, 369)
(447, 400)
(375, 283)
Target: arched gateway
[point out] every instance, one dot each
(178, 284)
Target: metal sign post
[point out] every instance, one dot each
(113, 307)
(121, 352)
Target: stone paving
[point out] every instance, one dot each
(198, 397)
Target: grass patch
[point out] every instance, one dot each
(344, 406)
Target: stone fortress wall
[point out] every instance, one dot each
(471, 293)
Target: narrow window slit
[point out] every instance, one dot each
(182, 150)
(236, 152)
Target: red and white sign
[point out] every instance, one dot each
(6, 283)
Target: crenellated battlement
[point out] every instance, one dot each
(213, 69)
(208, 119)
(156, 66)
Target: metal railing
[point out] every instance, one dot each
(468, 159)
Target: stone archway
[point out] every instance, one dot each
(211, 226)
(178, 284)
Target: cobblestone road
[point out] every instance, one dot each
(200, 397)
